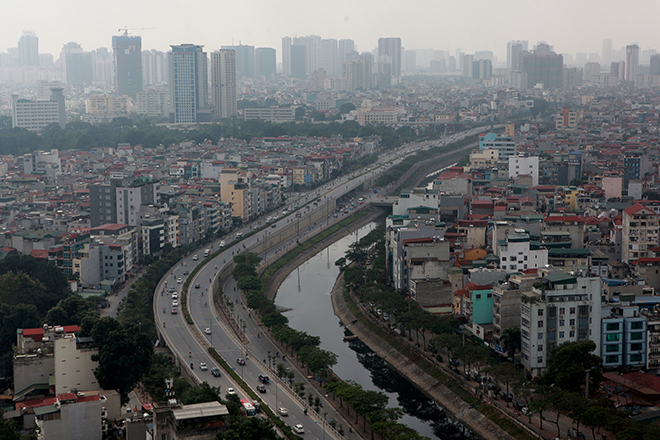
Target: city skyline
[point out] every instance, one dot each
(263, 24)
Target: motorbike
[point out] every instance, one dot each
(192, 366)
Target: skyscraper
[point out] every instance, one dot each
(543, 66)
(632, 61)
(298, 61)
(78, 65)
(28, 49)
(654, 68)
(345, 47)
(607, 52)
(389, 61)
(223, 83)
(189, 85)
(329, 57)
(265, 63)
(521, 46)
(286, 56)
(312, 45)
(128, 64)
(244, 60)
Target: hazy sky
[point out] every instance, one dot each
(570, 25)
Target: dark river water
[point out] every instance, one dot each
(306, 292)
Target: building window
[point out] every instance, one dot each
(612, 337)
(612, 359)
(636, 347)
(636, 325)
(540, 347)
(637, 336)
(540, 312)
(540, 336)
(561, 334)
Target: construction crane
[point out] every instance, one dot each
(125, 30)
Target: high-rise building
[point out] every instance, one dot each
(128, 64)
(329, 57)
(521, 46)
(154, 68)
(312, 45)
(244, 60)
(78, 65)
(389, 61)
(265, 64)
(188, 83)
(28, 49)
(345, 47)
(298, 61)
(654, 67)
(358, 74)
(104, 66)
(543, 66)
(410, 62)
(286, 56)
(607, 52)
(223, 83)
(467, 66)
(632, 61)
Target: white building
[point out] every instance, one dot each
(524, 165)
(72, 416)
(566, 308)
(223, 83)
(415, 198)
(34, 115)
(517, 253)
(152, 103)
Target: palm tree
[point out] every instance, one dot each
(510, 341)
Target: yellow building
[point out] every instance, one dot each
(235, 189)
(510, 130)
(301, 176)
(97, 104)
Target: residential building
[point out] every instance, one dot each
(34, 115)
(152, 103)
(517, 253)
(632, 62)
(235, 189)
(566, 119)
(639, 232)
(265, 62)
(114, 105)
(28, 49)
(506, 304)
(636, 164)
(543, 66)
(505, 145)
(377, 115)
(389, 61)
(243, 61)
(223, 83)
(524, 166)
(624, 335)
(201, 421)
(71, 416)
(561, 308)
(128, 64)
(188, 84)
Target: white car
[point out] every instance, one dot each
(207, 330)
(195, 257)
(179, 280)
(175, 303)
(175, 295)
(231, 391)
(222, 243)
(203, 366)
(298, 429)
(283, 411)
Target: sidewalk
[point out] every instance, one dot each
(115, 300)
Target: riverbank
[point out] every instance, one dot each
(472, 418)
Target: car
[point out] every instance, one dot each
(222, 243)
(215, 371)
(186, 273)
(195, 257)
(175, 303)
(203, 366)
(261, 388)
(175, 311)
(298, 429)
(239, 235)
(197, 286)
(264, 379)
(179, 281)
(207, 330)
(240, 361)
(283, 411)
(175, 295)
(231, 391)
(274, 225)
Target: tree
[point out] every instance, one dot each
(249, 283)
(124, 355)
(200, 394)
(242, 428)
(451, 342)
(569, 364)
(511, 341)
(317, 360)
(506, 373)
(346, 107)
(593, 416)
(8, 429)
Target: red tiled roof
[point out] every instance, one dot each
(636, 208)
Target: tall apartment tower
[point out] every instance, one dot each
(128, 65)
(521, 46)
(329, 57)
(345, 47)
(607, 52)
(286, 56)
(223, 83)
(265, 64)
(244, 60)
(28, 49)
(632, 61)
(189, 85)
(389, 61)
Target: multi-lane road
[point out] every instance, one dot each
(282, 234)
